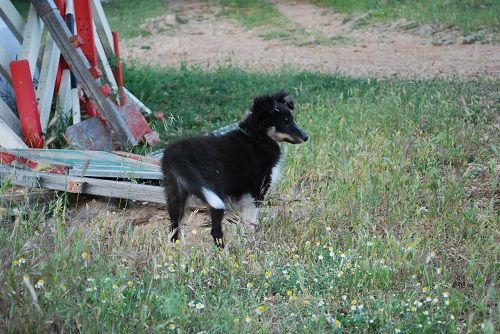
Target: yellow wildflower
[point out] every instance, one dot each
(85, 255)
(39, 284)
(259, 310)
(337, 323)
(267, 274)
(171, 326)
(130, 284)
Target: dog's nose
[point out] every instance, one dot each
(305, 138)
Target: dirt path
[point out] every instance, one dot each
(209, 39)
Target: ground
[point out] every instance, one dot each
(310, 38)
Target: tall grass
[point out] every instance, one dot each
(386, 221)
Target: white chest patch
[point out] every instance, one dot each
(275, 175)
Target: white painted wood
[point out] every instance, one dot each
(32, 35)
(103, 60)
(45, 89)
(131, 99)
(75, 99)
(9, 138)
(8, 116)
(103, 29)
(64, 100)
(4, 64)
(12, 18)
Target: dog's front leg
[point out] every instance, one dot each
(249, 211)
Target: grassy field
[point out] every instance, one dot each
(464, 15)
(386, 221)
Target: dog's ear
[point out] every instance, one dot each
(262, 104)
(283, 97)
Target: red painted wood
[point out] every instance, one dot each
(118, 68)
(85, 29)
(7, 159)
(27, 108)
(61, 5)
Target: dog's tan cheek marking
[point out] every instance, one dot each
(280, 136)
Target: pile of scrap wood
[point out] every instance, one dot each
(70, 75)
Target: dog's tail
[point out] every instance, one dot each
(190, 179)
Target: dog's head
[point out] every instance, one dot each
(271, 115)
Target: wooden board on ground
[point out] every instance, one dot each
(84, 185)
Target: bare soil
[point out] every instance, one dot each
(204, 37)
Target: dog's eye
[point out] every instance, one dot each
(287, 120)
(276, 109)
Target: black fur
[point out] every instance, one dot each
(231, 165)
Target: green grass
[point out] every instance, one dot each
(376, 209)
(270, 24)
(465, 15)
(252, 14)
(126, 16)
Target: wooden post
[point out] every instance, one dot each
(9, 138)
(26, 103)
(12, 18)
(8, 116)
(45, 89)
(31, 39)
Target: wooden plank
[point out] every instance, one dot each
(27, 108)
(9, 117)
(45, 89)
(22, 195)
(79, 66)
(4, 65)
(103, 29)
(64, 97)
(12, 18)
(135, 101)
(9, 138)
(103, 60)
(75, 99)
(91, 186)
(31, 39)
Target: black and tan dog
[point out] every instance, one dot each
(239, 166)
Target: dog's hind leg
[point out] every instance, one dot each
(216, 215)
(176, 203)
